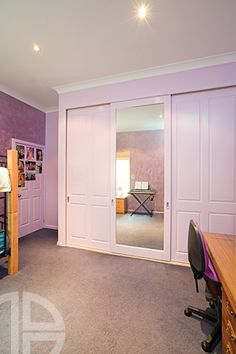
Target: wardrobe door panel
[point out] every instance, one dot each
(222, 148)
(203, 165)
(188, 134)
(182, 224)
(88, 177)
(221, 223)
(186, 170)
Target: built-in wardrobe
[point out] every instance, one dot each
(201, 166)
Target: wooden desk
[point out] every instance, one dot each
(222, 250)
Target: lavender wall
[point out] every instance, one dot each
(51, 168)
(146, 162)
(21, 121)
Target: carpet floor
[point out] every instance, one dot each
(110, 304)
(140, 230)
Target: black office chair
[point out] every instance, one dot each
(203, 268)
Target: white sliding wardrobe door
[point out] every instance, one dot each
(204, 165)
(88, 177)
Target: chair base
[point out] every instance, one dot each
(215, 336)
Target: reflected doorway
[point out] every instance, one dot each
(140, 176)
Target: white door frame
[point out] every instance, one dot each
(139, 251)
(14, 142)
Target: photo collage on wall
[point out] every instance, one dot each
(29, 163)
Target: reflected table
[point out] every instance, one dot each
(148, 195)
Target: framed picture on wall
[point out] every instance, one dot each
(39, 155)
(30, 165)
(21, 151)
(21, 165)
(30, 153)
(39, 167)
(21, 179)
(30, 176)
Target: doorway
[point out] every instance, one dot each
(142, 215)
(30, 185)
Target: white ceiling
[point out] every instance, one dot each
(84, 40)
(150, 117)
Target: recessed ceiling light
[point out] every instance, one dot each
(142, 12)
(36, 48)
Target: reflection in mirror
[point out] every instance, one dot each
(140, 176)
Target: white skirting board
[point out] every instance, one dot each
(53, 227)
(154, 211)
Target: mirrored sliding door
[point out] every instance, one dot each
(142, 178)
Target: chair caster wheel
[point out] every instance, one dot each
(187, 312)
(206, 346)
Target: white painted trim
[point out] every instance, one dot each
(21, 98)
(14, 141)
(62, 165)
(128, 76)
(154, 212)
(183, 264)
(53, 227)
(150, 72)
(52, 109)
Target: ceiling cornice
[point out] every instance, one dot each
(154, 71)
(134, 75)
(52, 109)
(21, 98)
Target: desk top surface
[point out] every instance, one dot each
(222, 250)
(142, 191)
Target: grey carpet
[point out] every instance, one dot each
(140, 230)
(110, 304)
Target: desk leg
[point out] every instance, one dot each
(142, 204)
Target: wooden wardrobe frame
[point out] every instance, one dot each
(12, 212)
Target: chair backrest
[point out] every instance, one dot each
(195, 250)
(198, 256)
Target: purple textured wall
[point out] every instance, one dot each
(21, 121)
(146, 162)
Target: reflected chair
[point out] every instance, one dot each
(202, 267)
